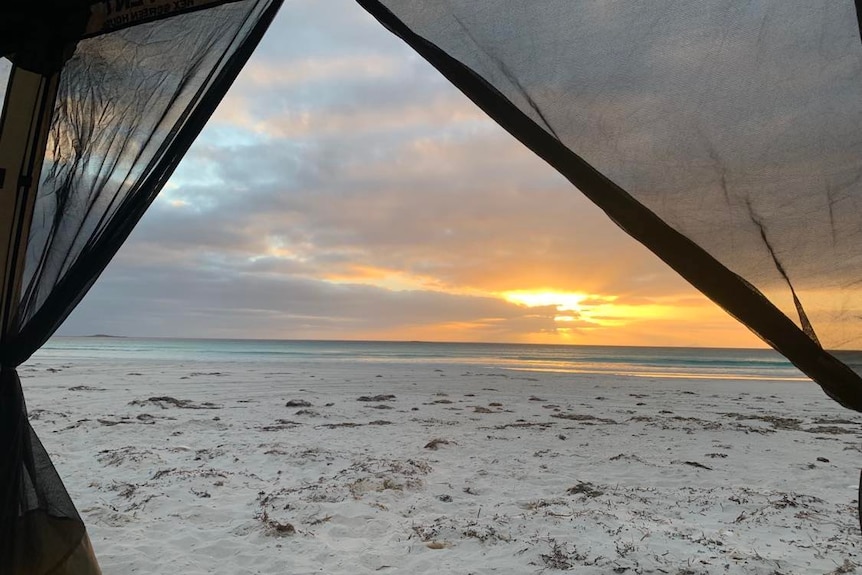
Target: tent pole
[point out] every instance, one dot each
(24, 126)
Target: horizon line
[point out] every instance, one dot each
(412, 341)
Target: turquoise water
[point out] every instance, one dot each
(691, 363)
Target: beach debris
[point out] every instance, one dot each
(165, 401)
(777, 423)
(37, 414)
(298, 403)
(274, 527)
(834, 421)
(320, 520)
(110, 422)
(830, 430)
(583, 418)
(376, 398)
(280, 424)
(445, 498)
(847, 567)
(586, 489)
(124, 490)
(523, 424)
(74, 425)
(116, 457)
(627, 457)
(485, 533)
(437, 442)
(161, 473)
(546, 453)
(560, 557)
(437, 545)
(822, 460)
(694, 464)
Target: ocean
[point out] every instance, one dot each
(643, 362)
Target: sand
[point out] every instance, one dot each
(431, 468)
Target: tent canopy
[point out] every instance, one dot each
(724, 137)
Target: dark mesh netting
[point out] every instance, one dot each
(129, 104)
(112, 108)
(724, 136)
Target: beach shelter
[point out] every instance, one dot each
(102, 100)
(725, 136)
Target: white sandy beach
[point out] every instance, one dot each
(462, 471)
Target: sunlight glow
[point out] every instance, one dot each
(563, 301)
(589, 310)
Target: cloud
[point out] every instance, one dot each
(345, 190)
(169, 299)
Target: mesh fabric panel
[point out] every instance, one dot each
(128, 107)
(129, 104)
(724, 136)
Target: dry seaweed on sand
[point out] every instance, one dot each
(165, 401)
(586, 489)
(274, 527)
(694, 464)
(437, 442)
(376, 398)
(583, 417)
(280, 424)
(560, 557)
(298, 403)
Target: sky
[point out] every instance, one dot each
(345, 190)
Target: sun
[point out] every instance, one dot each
(584, 309)
(571, 307)
(563, 301)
